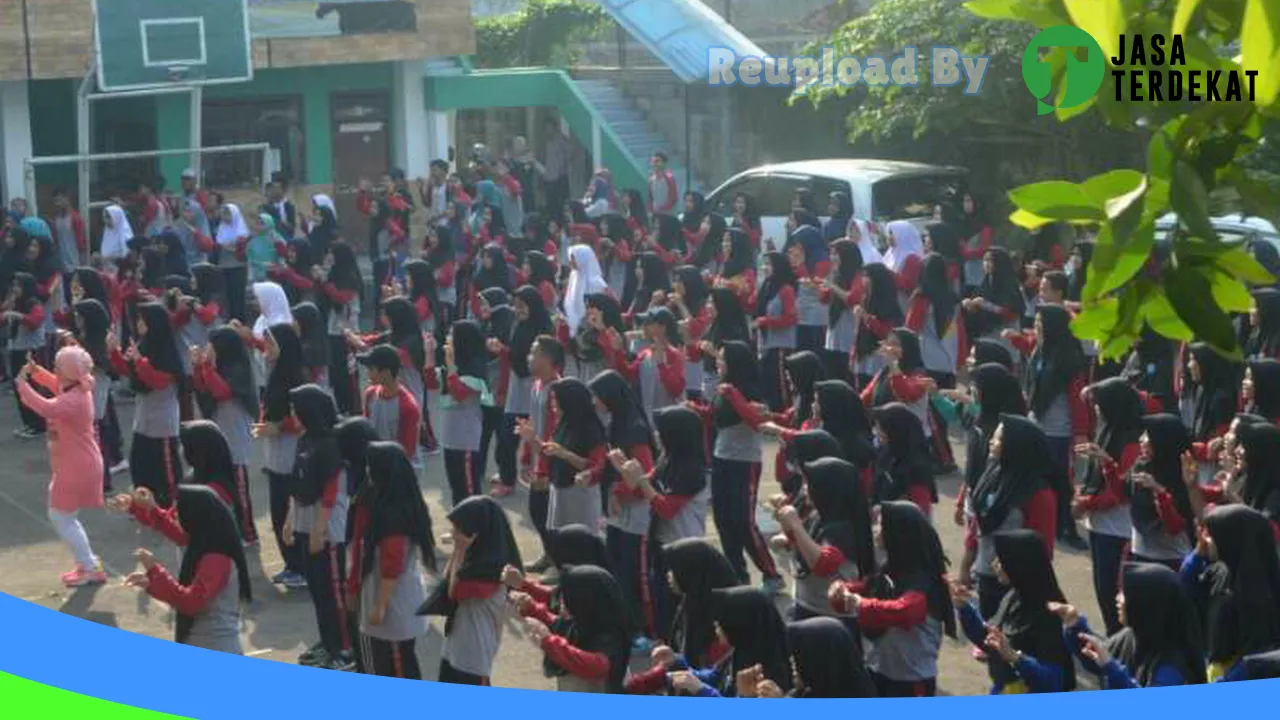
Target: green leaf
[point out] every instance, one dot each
(1057, 200)
(1028, 220)
(1103, 19)
(1096, 320)
(1130, 257)
(1160, 315)
(1260, 48)
(1229, 293)
(1042, 14)
(1191, 201)
(1160, 151)
(1112, 184)
(1240, 264)
(1187, 290)
(1182, 16)
(1103, 262)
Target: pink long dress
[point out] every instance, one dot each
(73, 442)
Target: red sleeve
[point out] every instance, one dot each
(1056, 257)
(410, 419)
(77, 227)
(642, 454)
(444, 275)
(292, 277)
(397, 203)
(579, 663)
(393, 556)
(668, 506)
(672, 192)
(868, 394)
(423, 308)
(748, 412)
(340, 297)
(909, 276)
(1040, 513)
(671, 372)
(977, 253)
(329, 497)
(149, 376)
(457, 389)
(788, 317)
(206, 378)
(205, 243)
(1112, 493)
(512, 185)
(906, 611)
(1170, 518)
(596, 460)
(916, 313)
(163, 522)
(548, 292)
(34, 318)
(118, 363)
(649, 682)
(208, 313)
(1023, 342)
(536, 590)
(622, 251)
(612, 345)
(907, 388)
(179, 317)
(213, 572)
(364, 204)
(829, 561)
(474, 589)
(540, 612)
(291, 426)
(878, 327)
(1079, 409)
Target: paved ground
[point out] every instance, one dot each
(280, 624)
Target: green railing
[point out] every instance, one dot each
(540, 87)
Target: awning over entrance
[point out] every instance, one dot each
(681, 33)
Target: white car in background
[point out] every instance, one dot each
(1231, 228)
(881, 190)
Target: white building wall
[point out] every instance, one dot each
(15, 136)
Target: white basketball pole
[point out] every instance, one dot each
(84, 145)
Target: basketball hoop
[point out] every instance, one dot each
(178, 73)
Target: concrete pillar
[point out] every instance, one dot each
(409, 124)
(15, 137)
(438, 134)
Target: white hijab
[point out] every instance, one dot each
(906, 244)
(273, 307)
(324, 201)
(584, 279)
(866, 241)
(229, 233)
(115, 239)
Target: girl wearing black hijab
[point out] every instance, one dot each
(1026, 652)
(532, 320)
(904, 610)
(728, 322)
(653, 282)
(1159, 644)
(933, 314)
(667, 239)
(223, 374)
(834, 543)
(393, 543)
(628, 512)
(463, 391)
(803, 371)
(420, 288)
(690, 301)
(840, 210)
(826, 661)
(1150, 368)
(995, 392)
(577, 455)
(604, 313)
(1103, 500)
(92, 324)
(904, 380)
(280, 429)
(1261, 388)
(588, 647)
(999, 304)
(213, 580)
(1234, 578)
(497, 319)
(737, 269)
(695, 569)
(775, 320)
(902, 462)
(1209, 388)
(1259, 471)
(712, 254)
(841, 291)
(155, 370)
(483, 546)
(315, 352)
(875, 319)
(736, 461)
(565, 547)
(296, 274)
(318, 516)
(943, 239)
(341, 290)
(747, 620)
(839, 411)
(1161, 501)
(1264, 319)
(1054, 377)
(205, 451)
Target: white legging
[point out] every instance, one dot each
(72, 533)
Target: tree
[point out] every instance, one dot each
(997, 134)
(544, 33)
(1188, 288)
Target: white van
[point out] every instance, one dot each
(881, 190)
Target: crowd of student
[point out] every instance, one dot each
(626, 363)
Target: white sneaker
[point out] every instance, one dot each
(120, 467)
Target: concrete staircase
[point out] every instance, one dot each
(634, 129)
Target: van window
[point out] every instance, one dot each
(912, 197)
(756, 186)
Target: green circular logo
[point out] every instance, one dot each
(1083, 77)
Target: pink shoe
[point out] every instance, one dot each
(501, 491)
(82, 578)
(978, 654)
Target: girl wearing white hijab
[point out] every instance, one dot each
(860, 232)
(905, 258)
(324, 201)
(233, 236)
(273, 309)
(585, 278)
(116, 234)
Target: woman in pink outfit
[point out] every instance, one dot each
(73, 451)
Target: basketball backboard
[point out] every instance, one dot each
(145, 44)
